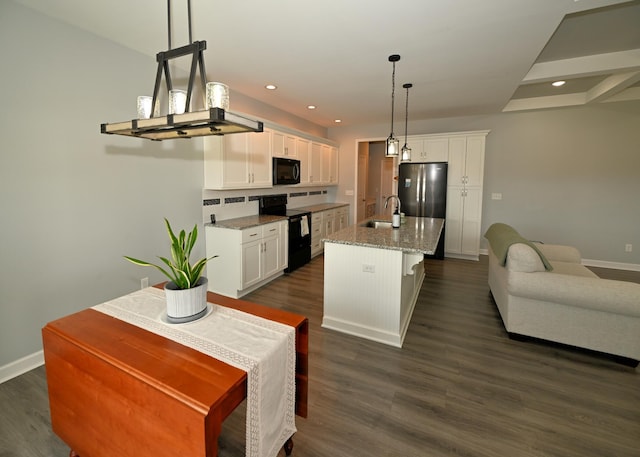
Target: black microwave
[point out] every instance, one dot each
(286, 171)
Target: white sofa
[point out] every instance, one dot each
(568, 304)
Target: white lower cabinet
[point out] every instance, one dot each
(247, 259)
(316, 234)
(328, 222)
(324, 223)
(342, 218)
(464, 210)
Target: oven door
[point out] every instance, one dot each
(299, 241)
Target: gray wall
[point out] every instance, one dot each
(74, 201)
(566, 175)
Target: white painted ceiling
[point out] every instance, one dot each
(464, 57)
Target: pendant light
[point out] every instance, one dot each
(393, 145)
(406, 150)
(180, 122)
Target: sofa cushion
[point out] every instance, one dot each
(524, 258)
(560, 252)
(573, 269)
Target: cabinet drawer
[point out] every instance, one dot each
(251, 234)
(270, 230)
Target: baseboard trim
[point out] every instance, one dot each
(612, 265)
(21, 366)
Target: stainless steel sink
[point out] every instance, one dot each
(377, 224)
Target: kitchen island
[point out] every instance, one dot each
(372, 276)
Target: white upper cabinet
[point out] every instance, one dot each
(429, 149)
(244, 160)
(436, 149)
(303, 148)
(284, 145)
(315, 164)
(237, 161)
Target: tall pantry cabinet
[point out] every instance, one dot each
(464, 194)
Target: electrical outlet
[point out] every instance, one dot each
(144, 283)
(628, 247)
(348, 192)
(496, 196)
(368, 268)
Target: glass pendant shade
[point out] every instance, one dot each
(406, 154)
(393, 146)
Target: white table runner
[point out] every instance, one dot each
(264, 349)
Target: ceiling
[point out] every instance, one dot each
(464, 57)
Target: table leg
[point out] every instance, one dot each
(288, 446)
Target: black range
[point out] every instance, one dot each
(299, 228)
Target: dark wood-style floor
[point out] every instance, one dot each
(458, 387)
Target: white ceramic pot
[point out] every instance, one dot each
(185, 305)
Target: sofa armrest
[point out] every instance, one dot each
(560, 252)
(607, 295)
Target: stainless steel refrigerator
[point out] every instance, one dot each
(422, 189)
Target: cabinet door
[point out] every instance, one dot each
(342, 218)
(283, 246)
(474, 160)
(316, 233)
(260, 158)
(235, 161)
(436, 150)
(270, 251)
(277, 144)
(251, 263)
(303, 149)
(315, 162)
(417, 149)
(329, 221)
(453, 227)
(290, 146)
(470, 236)
(333, 165)
(326, 164)
(457, 155)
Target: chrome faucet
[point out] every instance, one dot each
(386, 203)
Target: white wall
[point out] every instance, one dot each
(566, 175)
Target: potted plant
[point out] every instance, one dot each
(186, 290)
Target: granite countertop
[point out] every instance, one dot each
(415, 235)
(240, 223)
(321, 207)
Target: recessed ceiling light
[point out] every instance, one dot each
(271, 87)
(311, 107)
(337, 121)
(558, 83)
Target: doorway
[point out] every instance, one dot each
(376, 178)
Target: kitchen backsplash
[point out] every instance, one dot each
(229, 204)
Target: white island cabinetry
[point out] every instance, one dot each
(247, 258)
(372, 277)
